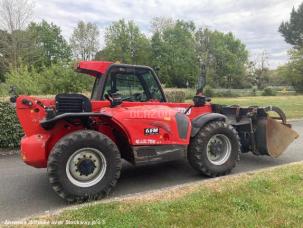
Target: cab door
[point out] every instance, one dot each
(133, 84)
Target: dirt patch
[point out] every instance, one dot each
(160, 195)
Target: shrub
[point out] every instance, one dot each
(254, 92)
(63, 79)
(11, 131)
(269, 92)
(175, 95)
(4, 89)
(189, 93)
(53, 80)
(25, 81)
(209, 92)
(226, 93)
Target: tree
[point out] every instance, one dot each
(292, 30)
(159, 24)
(203, 46)
(262, 71)
(10, 56)
(14, 16)
(224, 56)
(173, 51)
(259, 73)
(39, 45)
(4, 53)
(293, 71)
(276, 77)
(84, 40)
(125, 42)
(49, 46)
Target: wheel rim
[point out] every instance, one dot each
(218, 149)
(86, 167)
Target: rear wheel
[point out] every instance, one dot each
(215, 149)
(84, 165)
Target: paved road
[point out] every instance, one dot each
(25, 191)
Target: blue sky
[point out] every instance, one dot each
(255, 22)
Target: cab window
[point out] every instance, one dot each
(133, 84)
(152, 86)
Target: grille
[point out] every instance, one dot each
(72, 103)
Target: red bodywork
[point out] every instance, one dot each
(93, 67)
(130, 118)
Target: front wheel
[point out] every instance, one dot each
(84, 165)
(214, 151)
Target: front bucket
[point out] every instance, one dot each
(273, 138)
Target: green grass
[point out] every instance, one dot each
(267, 199)
(291, 105)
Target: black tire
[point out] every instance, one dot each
(197, 153)
(66, 148)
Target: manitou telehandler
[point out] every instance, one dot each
(82, 141)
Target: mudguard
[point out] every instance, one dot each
(49, 123)
(34, 150)
(202, 120)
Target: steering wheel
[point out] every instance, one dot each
(137, 96)
(108, 97)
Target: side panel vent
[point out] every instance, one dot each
(72, 103)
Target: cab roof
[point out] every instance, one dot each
(93, 68)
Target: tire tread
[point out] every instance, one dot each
(195, 149)
(60, 147)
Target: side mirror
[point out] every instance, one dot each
(13, 99)
(115, 99)
(199, 101)
(13, 94)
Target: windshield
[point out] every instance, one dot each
(133, 84)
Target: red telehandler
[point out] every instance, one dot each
(82, 141)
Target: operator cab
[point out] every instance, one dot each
(128, 83)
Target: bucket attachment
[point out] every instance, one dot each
(262, 130)
(272, 137)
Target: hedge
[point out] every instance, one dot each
(175, 95)
(10, 129)
(269, 92)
